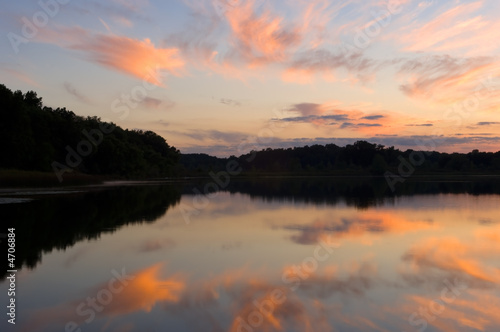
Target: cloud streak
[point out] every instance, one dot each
(461, 28)
(445, 79)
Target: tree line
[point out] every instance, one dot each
(40, 138)
(361, 157)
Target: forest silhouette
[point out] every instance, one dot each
(41, 138)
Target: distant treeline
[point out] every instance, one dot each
(359, 158)
(40, 138)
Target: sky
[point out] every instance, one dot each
(224, 77)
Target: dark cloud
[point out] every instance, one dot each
(487, 221)
(358, 282)
(310, 118)
(70, 88)
(474, 134)
(155, 245)
(420, 125)
(358, 125)
(76, 256)
(310, 233)
(155, 103)
(373, 117)
(487, 123)
(230, 102)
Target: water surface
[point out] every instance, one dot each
(263, 255)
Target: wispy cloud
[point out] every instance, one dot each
(21, 76)
(70, 88)
(445, 79)
(456, 258)
(309, 63)
(123, 12)
(457, 27)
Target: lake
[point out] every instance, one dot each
(271, 254)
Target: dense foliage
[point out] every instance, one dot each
(36, 137)
(359, 158)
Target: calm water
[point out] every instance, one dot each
(269, 255)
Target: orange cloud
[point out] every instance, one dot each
(261, 38)
(454, 257)
(274, 307)
(142, 292)
(139, 58)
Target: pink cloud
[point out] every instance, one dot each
(139, 58)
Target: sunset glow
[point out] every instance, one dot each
(428, 70)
